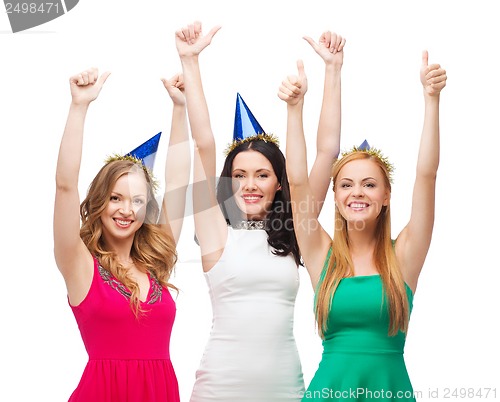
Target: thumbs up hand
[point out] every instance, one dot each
(294, 87)
(432, 77)
(86, 86)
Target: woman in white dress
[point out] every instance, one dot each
(248, 247)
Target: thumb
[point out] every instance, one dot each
(213, 31)
(300, 68)
(425, 58)
(102, 79)
(313, 44)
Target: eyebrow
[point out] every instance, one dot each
(257, 171)
(365, 179)
(136, 195)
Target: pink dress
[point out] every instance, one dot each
(129, 359)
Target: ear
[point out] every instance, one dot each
(387, 198)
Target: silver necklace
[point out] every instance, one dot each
(251, 225)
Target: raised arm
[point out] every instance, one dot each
(312, 239)
(72, 257)
(178, 164)
(210, 225)
(330, 48)
(414, 241)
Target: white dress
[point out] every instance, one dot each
(251, 354)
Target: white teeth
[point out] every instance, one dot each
(251, 198)
(355, 205)
(123, 223)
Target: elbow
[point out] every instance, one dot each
(428, 174)
(205, 145)
(63, 185)
(296, 180)
(428, 170)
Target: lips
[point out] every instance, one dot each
(251, 198)
(357, 206)
(123, 223)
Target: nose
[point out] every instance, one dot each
(357, 191)
(125, 209)
(249, 185)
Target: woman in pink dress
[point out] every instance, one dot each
(117, 264)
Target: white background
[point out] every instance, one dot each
(453, 337)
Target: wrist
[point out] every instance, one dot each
(428, 98)
(333, 68)
(179, 107)
(188, 59)
(296, 106)
(78, 105)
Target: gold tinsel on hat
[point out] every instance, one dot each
(377, 153)
(257, 137)
(137, 161)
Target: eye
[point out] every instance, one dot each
(238, 176)
(263, 175)
(370, 185)
(139, 201)
(114, 198)
(345, 185)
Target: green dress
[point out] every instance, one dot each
(360, 361)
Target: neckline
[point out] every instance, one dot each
(376, 276)
(148, 293)
(361, 276)
(154, 292)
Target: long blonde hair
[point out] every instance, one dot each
(340, 264)
(152, 249)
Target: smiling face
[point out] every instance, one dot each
(126, 209)
(254, 184)
(361, 191)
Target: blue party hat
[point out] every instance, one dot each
(245, 124)
(146, 152)
(247, 128)
(364, 146)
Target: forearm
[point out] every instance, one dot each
(70, 151)
(428, 156)
(178, 164)
(178, 127)
(328, 138)
(296, 151)
(177, 167)
(197, 107)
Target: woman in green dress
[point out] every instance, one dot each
(364, 282)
